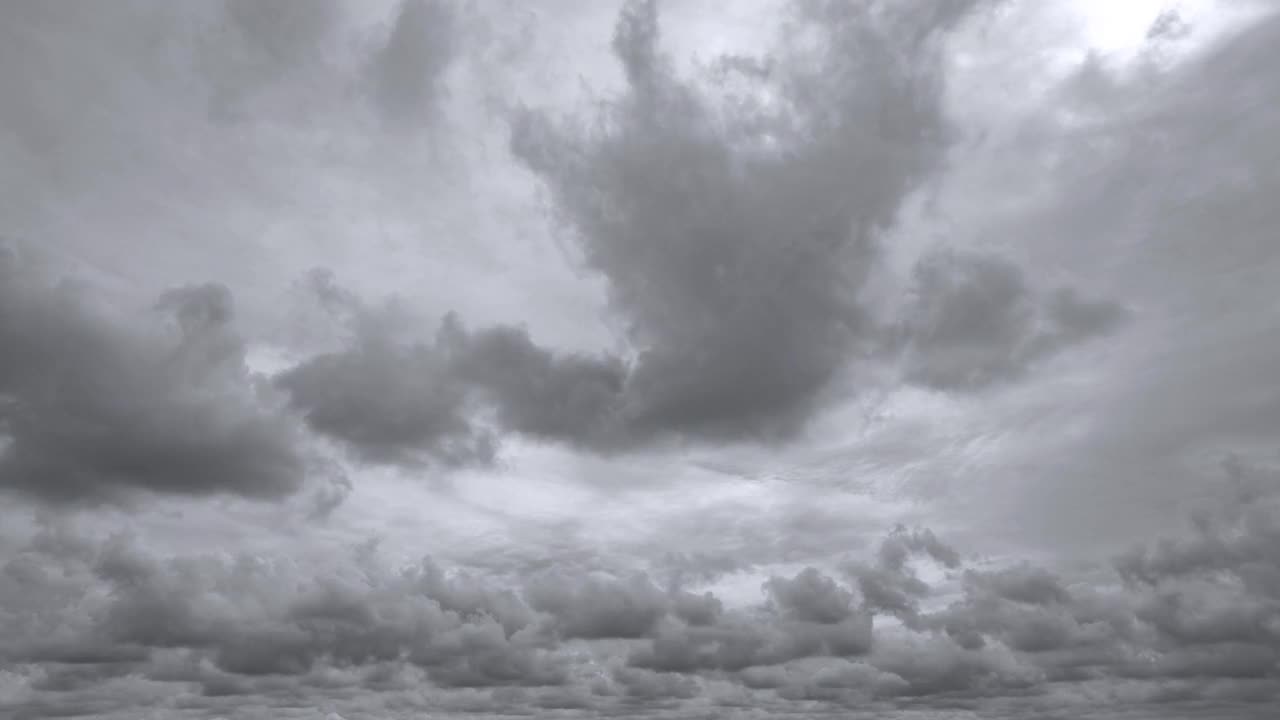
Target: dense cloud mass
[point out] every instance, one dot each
(734, 238)
(92, 408)
(905, 359)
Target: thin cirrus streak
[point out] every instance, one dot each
(896, 359)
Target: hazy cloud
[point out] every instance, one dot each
(720, 309)
(973, 321)
(407, 72)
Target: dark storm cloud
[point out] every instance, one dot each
(92, 409)
(394, 399)
(811, 597)
(734, 238)
(537, 392)
(890, 586)
(390, 402)
(973, 321)
(251, 617)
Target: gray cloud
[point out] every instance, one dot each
(394, 399)
(89, 613)
(406, 74)
(890, 586)
(537, 392)
(389, 402)
(742, 305)
(592, 608)
(973, 321)
(734, 238)
(92, 409)
(739, 218)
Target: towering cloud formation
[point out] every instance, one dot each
(735, 235)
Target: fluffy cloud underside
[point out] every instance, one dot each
(93, 408)
(1189, 623)
(735, 219)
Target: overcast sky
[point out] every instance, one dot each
(827, 358)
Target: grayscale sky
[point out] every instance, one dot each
(903, 359)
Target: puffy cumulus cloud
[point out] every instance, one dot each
(600, 608)
(735, 234)
(393, 397)
(389, 401)
(1198, 612)
(243, 618)
(972, 321)
(537, 392)
(811, 597)
(94, 407)
(807, 615)
(107, 624)
(890, 585)
(1213, 598)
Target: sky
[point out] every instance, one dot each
(902, 359)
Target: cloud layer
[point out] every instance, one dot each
(1193, 619)
(802, 358)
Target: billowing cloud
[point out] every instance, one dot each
(890, 585)
(239, 627)
(734, 236)
(389, 403)
(93, 408)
